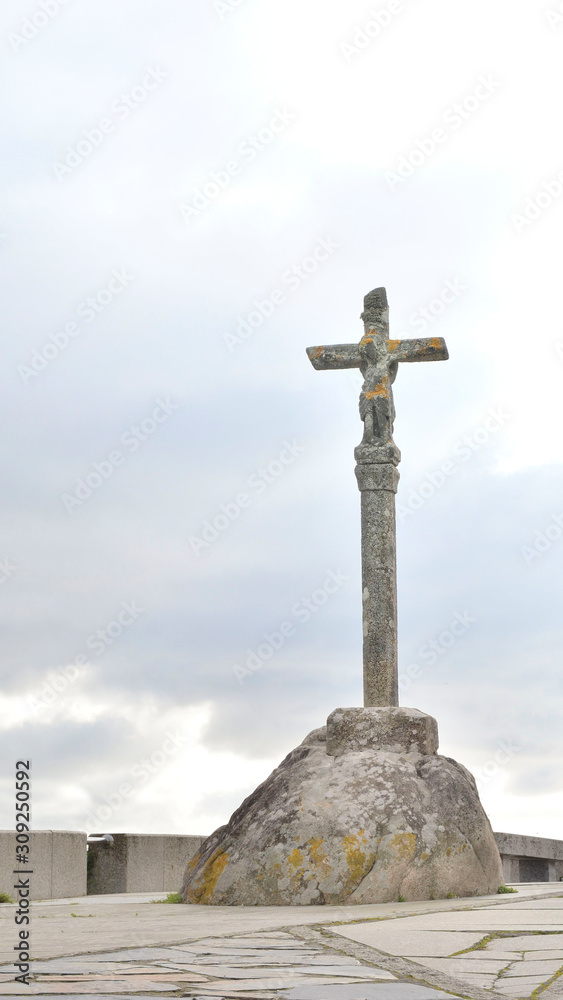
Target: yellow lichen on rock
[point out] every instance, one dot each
(298, 872)
(295, 859)
(203, 891)
(404, 845)
(357, 858)
(318, 856)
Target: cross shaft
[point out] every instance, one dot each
(377, 457)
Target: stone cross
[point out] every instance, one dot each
(377, 458)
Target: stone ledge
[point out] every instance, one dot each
(522, 846)
(59, 863)
(397, 730)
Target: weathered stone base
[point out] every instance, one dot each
(369, 814)
(398, 730)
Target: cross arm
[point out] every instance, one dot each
(336, 356)
(422, 349)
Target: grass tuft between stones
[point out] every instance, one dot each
(172, 897)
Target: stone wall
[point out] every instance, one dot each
(530, 859)
(140, 862)
(58, 861)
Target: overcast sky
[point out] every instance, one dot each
(193, 193)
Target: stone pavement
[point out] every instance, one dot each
(507, 946)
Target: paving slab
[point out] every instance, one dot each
(67, 966)
(475, 977)
(355, 971)
(527, 984)
(140, 954)
(543, 969)
(56, 990)
(517, 992)
(395, 938)
(287, 941)
(530, 942)
(538, 956)
(496, 917)
(276, 934)
(230, 948)
(236, 995)
(553, 903)
(457, 966)
(349, 971)
(503, 946)
(143, 981)
(398, 991)
(268, 958)
(279, 982)
(504, 957)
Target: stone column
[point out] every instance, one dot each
(378, 485)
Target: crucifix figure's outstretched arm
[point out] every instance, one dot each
(421, 349)
(337, 356)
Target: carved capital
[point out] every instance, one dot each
(376, 454)
(378, 477)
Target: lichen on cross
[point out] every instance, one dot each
(378, 359)
(377, 458)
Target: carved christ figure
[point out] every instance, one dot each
(378, 359)
(377, 409)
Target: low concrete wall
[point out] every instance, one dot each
(58, 861)
(140, 862)
(530, 859)
(157, 862)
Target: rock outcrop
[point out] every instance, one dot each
(366, 815)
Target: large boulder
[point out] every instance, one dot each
(369, 814)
